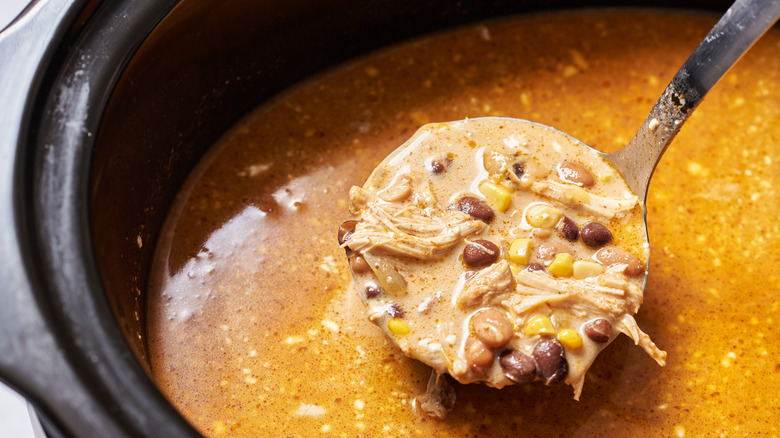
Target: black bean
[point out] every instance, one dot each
(568, 229)
(476, 208)
(437, 167)
(480, 253)
(596, 235)
(551, 363)
(598, 330)
(395, 311)
(534, 267)
(518, 366)
(372, 290)
(345, 230)
(519, 168)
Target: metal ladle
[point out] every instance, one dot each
(739, 28)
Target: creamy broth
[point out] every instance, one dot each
(254, 327)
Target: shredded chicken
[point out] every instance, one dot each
(393, 229)
(577, 197)
(607, 295)
(536, 288)
(487, 287)
(627, 325)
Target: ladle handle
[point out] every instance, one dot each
(741, 26)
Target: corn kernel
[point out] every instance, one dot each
(397, 327)
(543, 216)
(584, 269)
(515, 270)
(604, 177)
(570, 339)
(539, 325)
(496, 195)
(520, 251)
(562, 265)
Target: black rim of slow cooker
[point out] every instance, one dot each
(109, 387)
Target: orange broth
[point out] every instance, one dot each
(254, 326)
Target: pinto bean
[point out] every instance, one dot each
(548, 250)
(492, 327)
(480, 253)
(575, 173)
(551, 365)
(518, 366)
(476, 208)
(477, 354)
(595, 235)
(612, 255)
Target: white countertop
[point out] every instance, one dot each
(14, 417)
(9, 9)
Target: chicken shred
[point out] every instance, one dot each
(577, 197)
(487, 287)
(421, 234)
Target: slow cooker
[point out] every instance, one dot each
(106, 108)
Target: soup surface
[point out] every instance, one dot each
(255, 328)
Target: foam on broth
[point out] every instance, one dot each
(254, 329)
